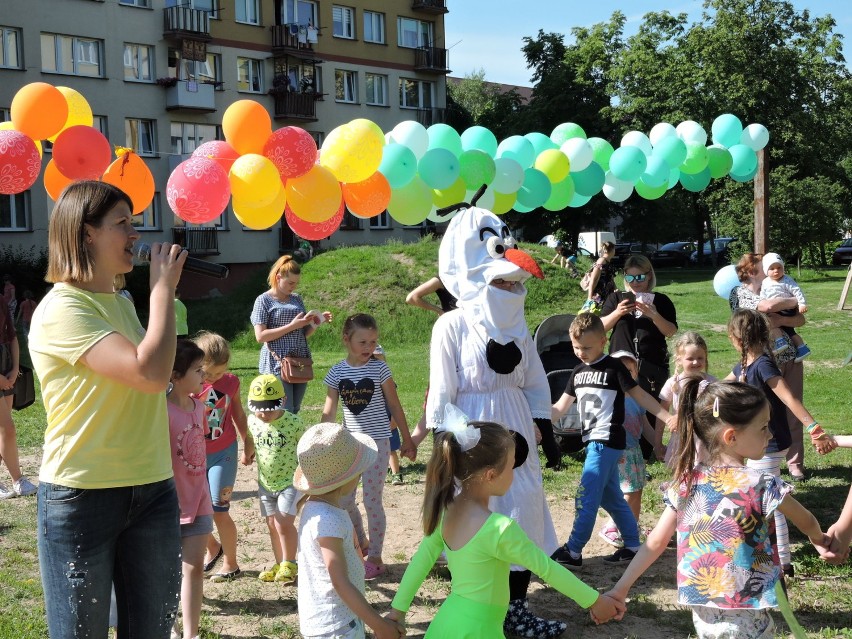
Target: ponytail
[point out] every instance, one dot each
(440, 481)
(685, 455)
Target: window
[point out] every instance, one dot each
(15, 212)
(69, 54)
(100, 123)
(415, 94)
(350, 222)
(343, 19)
(376, 89)
(210, 6)
(209, 71)
(414, 34)
(247, 11)
(187, 136)
(136, 3)
(304, 78)
(10, 48)
(300, 12)
(138, 63)
(345, 84)
(139, 136)
(380, 221)
(249, 75)
(374, 27)
(149, 219)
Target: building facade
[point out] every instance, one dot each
(159, 75)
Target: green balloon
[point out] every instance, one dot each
(696, 182)
(535, 190)
(566, 131)
(719, 161)
(477, 168)
(696, 158)
(602, 150)
(480, 138)
(399, 165)
(439, 168)
(590, 180)
(443, 136)
(518, 148)
(578, 200)
(520, 208)
(540, 142)
(672, 149)
(412, 203)
(561, 195)
(650, 192)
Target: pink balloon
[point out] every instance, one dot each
(20, 162)
(311, 231)
(220, 152)
(198, 190)
(82, 153)
(292, 151)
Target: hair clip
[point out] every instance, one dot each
(716, 407)
(456, 423)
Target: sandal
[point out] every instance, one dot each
(209, 565)
(221, 577)
(269, 575)
(371, 570)
(611, 536)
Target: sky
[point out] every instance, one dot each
(487, 34)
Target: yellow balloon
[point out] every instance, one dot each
(315, 196)
(352, 152)
(79, 111)
(254, 180)
(554, 164)
(262, 217)
(372, 126)
(453, 194)
(8, 126)
(503, 202)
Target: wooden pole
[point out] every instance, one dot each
(761, 203)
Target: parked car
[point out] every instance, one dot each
(843, 253)
(723, 254)
(673, 254)
(622, 251)
(549, 240)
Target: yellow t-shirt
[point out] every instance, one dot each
(100, 433)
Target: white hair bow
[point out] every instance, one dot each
(456, 422)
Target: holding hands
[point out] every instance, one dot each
(607, 607)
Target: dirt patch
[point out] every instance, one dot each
(402, 258)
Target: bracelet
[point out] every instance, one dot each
(812, 426)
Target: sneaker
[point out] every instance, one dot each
(563, 556)
(788, 570)
(780, 346)
(396, 479)
(621, 555)
(24, 487)
(7, 493)
(287, 573)
(611, 536)
(269, 575)
(802, 352)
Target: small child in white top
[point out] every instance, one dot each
(777, 284)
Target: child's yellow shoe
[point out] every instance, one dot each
(287, 572)
(269, 575)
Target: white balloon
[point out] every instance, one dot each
(508, 176)
(486, 201)
(725, 281)
(580, 153)
(413, 135)
(639, 140)
(755, 137)
(691, 131)
(660, 131)
(616, 190)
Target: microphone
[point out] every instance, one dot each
(142, 254)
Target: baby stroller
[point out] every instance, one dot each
(554, 347)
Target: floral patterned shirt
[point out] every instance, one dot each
(725, 526)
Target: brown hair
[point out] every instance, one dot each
(736, 405)
(187, 352)
(687, 338)
(216, 349)
(606, 248)
(359, 321)
(449, 464)
(284, 266)
(80, 203)
(643, 264)
(751, 328)
(586, 323)
(748, 264)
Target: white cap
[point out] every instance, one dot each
(620, 354)
(769, 259)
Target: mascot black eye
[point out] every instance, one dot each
(495, 246)
(270, 390)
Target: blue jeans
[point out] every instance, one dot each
(600, 488)
(295, 394)
(89, 539)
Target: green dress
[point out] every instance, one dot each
(479, 597)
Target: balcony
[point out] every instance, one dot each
(183, 22)
(191, 95)
(431, 60)
(428, 117)
(199, 241)
(430, 6)
(292, 105)
(287, 39)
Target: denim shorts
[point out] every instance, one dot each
(221, 475)
(395, 440)
(203, 525)
(284, 501)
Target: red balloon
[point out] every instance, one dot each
(20, 162)
(82, 153)
(198, 190)
(292, 151)
(311, 231)
(220, 152)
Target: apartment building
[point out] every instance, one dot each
(159, 75)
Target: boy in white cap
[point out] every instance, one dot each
(777, 284)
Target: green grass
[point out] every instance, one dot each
(376, 280)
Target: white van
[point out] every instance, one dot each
(592, 240)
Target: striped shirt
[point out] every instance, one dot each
(273, 313)
(360, 389)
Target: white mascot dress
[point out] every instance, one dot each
(484, 361)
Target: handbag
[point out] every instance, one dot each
(24, 388)
(296, 370)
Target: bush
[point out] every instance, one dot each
(27, 268)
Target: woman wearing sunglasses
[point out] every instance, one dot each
(641, 320)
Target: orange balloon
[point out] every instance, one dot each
(368, 198)
(246, 125)
(39, 110)
(54, 181)
(130, 173)
(314, 196)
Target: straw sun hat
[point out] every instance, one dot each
(330, 456)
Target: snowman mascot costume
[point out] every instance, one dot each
(483, 360)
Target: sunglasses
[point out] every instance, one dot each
(635, 278)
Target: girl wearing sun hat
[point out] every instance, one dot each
(331, 584)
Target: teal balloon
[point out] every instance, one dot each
(674, 178)
(719, 161)
(479, 138)
(726, 130)
(566, 131)
(744, 160)
(628, 163)
(672, 149)
(746, 177)
(443, 136)
(657, 171)
(520, 208)
(438, 168)
(602, 152)
(696, 158)
(519, 149)
(561, 195)
(696, 182)
(477, 168)
(540, 142)
(649, 192)
(535, 190)
(399, 165)
(590, 180)
(579, 200)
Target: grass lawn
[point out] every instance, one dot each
(375, 280)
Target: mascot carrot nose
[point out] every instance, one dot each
(525, 261)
